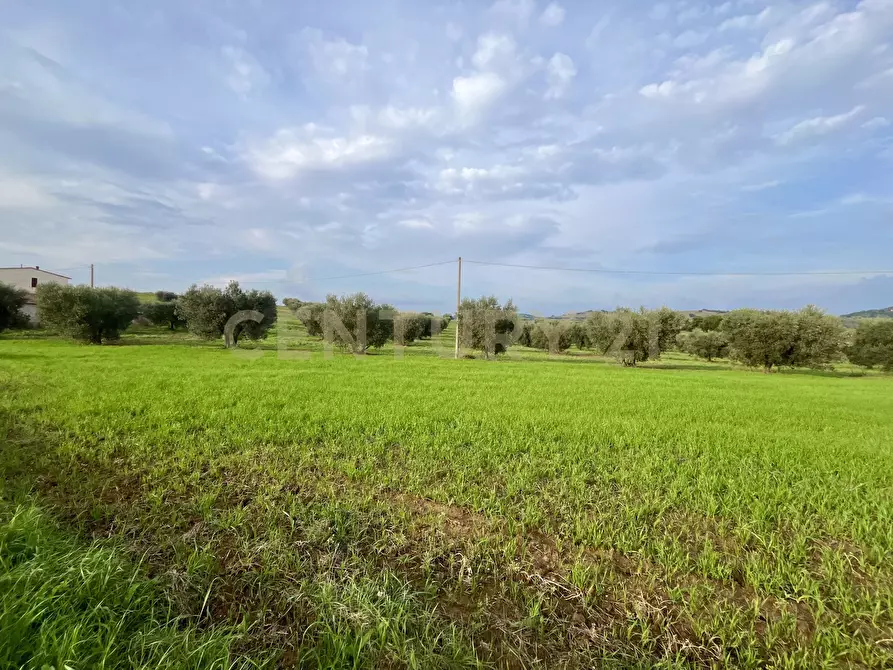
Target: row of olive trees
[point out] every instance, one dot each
(100, 314)
(356, 322)
(766, 339)
(805, 338)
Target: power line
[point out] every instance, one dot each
(683, 274)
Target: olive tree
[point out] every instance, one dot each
(669, 324)
(12, 300)
(872, 344)
(631, 337)
(163, 314)
(356, 322)
(486, 325)
(85, 313)
(706, 344)
(552, 336)
(207, 310)
(808, 338)
(165, 296)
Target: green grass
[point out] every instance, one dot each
(423, 512)
(63, 605)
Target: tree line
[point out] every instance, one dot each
(767, 339)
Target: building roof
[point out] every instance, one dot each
(36, 269)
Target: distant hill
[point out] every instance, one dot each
(883, 313)
(582, 316)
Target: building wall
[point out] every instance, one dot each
(21, 278)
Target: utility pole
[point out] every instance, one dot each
(91, 275)
(458, 305)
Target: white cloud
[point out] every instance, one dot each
(292, 151)
(18, 193)
(817, 126)
(560, 73)
(553, 15)
(245, 74)
(476, 93)
(403, 118)
(875, 123)
(495, 51)
(335, 58)
(689, 39)
(746, 21)
(416, 224)
(517, 10)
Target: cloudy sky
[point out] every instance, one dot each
(289, 144)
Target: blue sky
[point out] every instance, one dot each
(283, 143)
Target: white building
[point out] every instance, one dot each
(28, 279)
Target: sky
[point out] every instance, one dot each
(291, 145)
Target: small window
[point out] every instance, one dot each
(33, 282)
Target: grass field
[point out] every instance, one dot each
(423, 512)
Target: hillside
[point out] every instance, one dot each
(882, 313)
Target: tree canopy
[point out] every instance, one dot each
(12, 300)
(207, 309)
(872, 344)
(486, 325)
(85, 313)
(808, 338)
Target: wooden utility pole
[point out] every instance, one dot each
(91, 275)
(458, 304)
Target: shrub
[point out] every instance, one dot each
(487, 326)
(357, 323)
(165, 296)
(872, 344)
(207, 310)
(84, 313)
(293, 303)
(163, 314)
(706, 344)
(12, 300)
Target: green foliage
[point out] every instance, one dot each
(600, 331)
(706, 344)
(163, 314)
(310, 314)
(63, 605)
(669, 324)
(486, 325)
(356, 322)
(84, 313)
(552, 336)
(207, 309)
(807, 338)
(706, 322)
(578, 336)
(12, 300)
(165, 296)
(631, 337)
(293, 303)
(872, 344)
